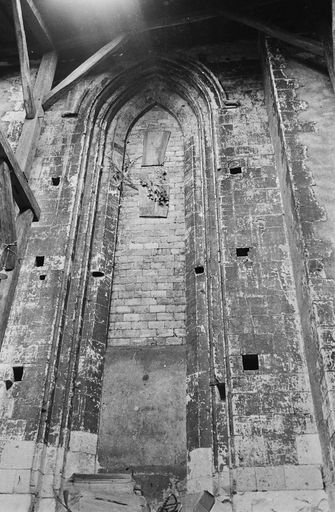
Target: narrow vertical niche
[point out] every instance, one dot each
(221, 387)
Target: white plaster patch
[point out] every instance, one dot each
(200, 468)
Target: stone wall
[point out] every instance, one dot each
(11, 104)
(251, 422)
(148, 297)
(304, 102)
(274, 434)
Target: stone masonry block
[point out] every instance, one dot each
(7, 480)
(47, 505)
(85, 442)
(270, 478)
(309, 449)
(281, 501)
(303, 477)
(245, 479)
(78, 462)
(18, 455)
(15, 502)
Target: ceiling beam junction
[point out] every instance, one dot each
(28, 97)
(31, 129)
(23, 194)
(106, 51)
(82, 70)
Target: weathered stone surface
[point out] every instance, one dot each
(259, 439)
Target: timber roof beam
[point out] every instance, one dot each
(106, 51)
(23, 194)
(28, 96)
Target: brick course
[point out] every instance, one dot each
(148, 292)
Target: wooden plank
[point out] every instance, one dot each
(28, 97)
(22, 193)
(82, 70)
(32, 127)
(37, 25)
(7, 219)
(8, 287)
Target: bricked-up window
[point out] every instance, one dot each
(154, 147)
(250, 362)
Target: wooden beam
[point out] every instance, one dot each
(8, 287)
(7, 220)
(22, 193)
(36, 25)
(32, 127)
(107, 50)
(82, 70)
(28, 97)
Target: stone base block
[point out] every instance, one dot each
(281, 501)
(16, 502)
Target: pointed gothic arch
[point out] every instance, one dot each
(194, 97)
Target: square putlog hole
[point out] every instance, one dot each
(39, 261)
(199, 269)
(250, 362)
(242, 252)
(235, 170)
(55, 181)
(18, 373)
